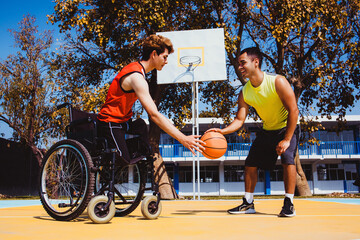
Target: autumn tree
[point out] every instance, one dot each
(25, 87)
(314, 44)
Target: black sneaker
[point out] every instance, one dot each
(245, 207)
(288, 209)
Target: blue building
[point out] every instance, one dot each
(331, 165)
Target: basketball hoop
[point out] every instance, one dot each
(190, 62)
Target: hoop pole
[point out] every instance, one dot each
(197, 133)
(193, 133)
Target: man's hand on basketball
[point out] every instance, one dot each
(193, 143)
(214, 130)
(282, 146)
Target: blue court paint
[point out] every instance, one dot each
(18, 203)
(355, 201)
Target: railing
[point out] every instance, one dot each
(331, 148)
(242, 149)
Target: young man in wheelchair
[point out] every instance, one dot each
(129, 85)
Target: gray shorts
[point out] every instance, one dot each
(263, 150)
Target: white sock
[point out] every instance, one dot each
(291, 196)
(249, 197)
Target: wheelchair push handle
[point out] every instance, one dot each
(62, 106)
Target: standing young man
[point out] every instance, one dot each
(128, 86)
(275, 103)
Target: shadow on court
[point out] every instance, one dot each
(194, 212)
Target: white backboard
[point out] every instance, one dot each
(208, 44)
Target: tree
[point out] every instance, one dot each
(313, 43)
(314, 48)
(25, 87)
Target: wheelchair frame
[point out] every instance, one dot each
(82, 171)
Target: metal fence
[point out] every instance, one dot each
(242, 149)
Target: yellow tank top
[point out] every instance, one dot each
(266, 102)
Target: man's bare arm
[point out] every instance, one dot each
(288, 99)
(141, 88)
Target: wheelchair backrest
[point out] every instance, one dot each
(82, 127)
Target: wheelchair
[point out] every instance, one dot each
(82, 172)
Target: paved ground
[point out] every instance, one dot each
(194, 220)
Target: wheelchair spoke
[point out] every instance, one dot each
(65, 180)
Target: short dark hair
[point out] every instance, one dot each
(157, 43)
(253, 52)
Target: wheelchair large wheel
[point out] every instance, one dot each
(130, 186)
(66, 180)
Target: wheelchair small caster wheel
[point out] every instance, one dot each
(96, 212)
(149, 209)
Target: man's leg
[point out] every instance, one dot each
(289, 178)
(289, 184)
(248, 201)
(251, 175)
(139, 127)
(114, 133)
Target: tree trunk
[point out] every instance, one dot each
(302, 185)
(166, 187)
(38, 154)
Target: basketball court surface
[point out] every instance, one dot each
(199, 219)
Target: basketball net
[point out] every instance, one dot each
(190, 62)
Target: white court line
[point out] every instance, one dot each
(227, 216)
(273, 216)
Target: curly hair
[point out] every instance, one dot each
(157, 43)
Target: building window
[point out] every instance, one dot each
(345, 135)
(234, 173)
(170, 169)
(308, 171)
(277, 173)
(350, 171)
(207, 174)
(327, 172)
(185, 173)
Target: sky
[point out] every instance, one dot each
(12, 12)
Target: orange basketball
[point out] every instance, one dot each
(216, 145)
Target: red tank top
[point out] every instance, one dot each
(118, 104)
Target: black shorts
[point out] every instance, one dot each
(114, 133)
(263, 150)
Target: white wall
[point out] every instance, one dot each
(326, 187)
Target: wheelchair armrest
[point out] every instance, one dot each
(82, 121)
